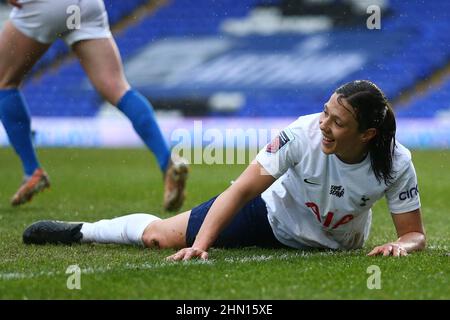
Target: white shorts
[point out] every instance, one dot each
(71, 20)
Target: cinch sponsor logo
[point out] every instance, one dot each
(408, 194)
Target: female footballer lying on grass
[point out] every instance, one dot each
(313, 186)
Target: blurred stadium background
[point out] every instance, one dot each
(251, 63)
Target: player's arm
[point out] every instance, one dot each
(410, 232)
(251, 183)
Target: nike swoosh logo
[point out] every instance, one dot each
(311, 182)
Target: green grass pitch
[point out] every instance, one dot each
(89, 185)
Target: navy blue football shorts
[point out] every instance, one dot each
(249, 227)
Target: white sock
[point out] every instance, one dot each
(122, 230)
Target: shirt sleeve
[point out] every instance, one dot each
(403, 195)
(280, 154)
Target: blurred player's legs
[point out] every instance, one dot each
(18, 53)
(174, 183)
(101, 60)
(44, 21)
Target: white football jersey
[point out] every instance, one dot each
(318, 200)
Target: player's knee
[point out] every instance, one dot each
(112, 90)
(154, 236)
(8, 82)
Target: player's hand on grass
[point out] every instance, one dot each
(389, 249)
(188, 253)
(15, 3)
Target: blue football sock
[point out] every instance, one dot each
(140, 112)
(16, 120)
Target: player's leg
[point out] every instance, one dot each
(167, 233)
(18, 54)
(134, 229)
(249, 227)
(101, 60)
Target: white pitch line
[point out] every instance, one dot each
(147, 266)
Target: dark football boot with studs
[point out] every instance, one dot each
(56, 232)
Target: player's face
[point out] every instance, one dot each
(340, 131)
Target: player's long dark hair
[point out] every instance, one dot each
(373, 111)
